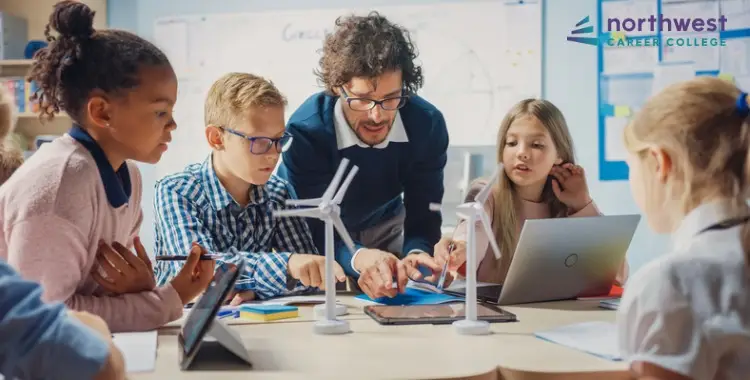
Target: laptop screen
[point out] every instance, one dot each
(204, 311)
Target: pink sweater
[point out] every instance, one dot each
(492, 270)
(54, 211)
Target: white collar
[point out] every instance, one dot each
(345, 137)
(706, 215)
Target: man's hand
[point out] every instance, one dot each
(311, 270)
(126, 272)
(414, 261)
(377, 269)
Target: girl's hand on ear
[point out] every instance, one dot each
(569, 185)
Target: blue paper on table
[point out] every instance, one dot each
(413, 297)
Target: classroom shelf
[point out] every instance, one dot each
(15, 67)
(30, 126)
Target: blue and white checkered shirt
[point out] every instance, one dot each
(193, 206)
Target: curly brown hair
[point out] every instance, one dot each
(368, 46)
(81, 60)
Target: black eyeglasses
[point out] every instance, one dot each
(365, 104)
(261, 145)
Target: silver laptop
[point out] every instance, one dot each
(563, 258)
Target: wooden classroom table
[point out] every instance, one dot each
(289, 349)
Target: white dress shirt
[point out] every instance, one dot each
(689, 311)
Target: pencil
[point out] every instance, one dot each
(183, 258)
(441, 281)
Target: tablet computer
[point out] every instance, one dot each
(434, 314)
(203, 313)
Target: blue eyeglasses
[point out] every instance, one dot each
(261, 145)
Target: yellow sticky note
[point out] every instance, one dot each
(622, 111)
(727, 77)
(618, 36)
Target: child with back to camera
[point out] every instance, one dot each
(540, 180)
(686, 314)
(71, 214)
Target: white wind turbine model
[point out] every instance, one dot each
(474, 212)
(328, 211)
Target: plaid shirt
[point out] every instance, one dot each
(193, 206)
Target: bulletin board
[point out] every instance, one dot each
(627, 76)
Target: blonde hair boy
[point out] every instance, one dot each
(226, 203)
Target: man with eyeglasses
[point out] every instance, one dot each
(225, 204)
(370, 114)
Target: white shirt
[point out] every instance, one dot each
(689, 311)
(345, 136)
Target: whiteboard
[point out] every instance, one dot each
(478, 59)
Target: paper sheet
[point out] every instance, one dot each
(629, 60)
(737, 13)
(668, 74)
(743, 82)
(614, 145)
(138, 349)
(596, 338)
(297, 300)
(706, 58)
(735, 57)
(688, 11)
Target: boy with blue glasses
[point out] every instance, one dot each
(226, 203)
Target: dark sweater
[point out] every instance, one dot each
(414, 168)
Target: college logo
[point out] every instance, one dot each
(581, 28)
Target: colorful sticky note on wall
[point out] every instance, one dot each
(727, 77)
(622, 111)
(618, 36)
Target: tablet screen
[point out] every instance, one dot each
(447, 312)
(204, 311)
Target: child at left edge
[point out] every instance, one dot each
(70, 215)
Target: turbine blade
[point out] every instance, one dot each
(303, 202)
(485, 220)
(465, 206)
(339, 225)
(485, 192)
(462, 215)
(306, 212)
(335, 181)
(345, 185)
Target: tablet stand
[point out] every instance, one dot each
(221, 345)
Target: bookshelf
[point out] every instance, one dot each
(28, 123)
(36, 13)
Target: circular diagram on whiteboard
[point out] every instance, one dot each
(460, 85)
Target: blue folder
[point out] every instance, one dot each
(413, 297)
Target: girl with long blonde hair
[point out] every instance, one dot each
(540, 180)
(686, 314)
